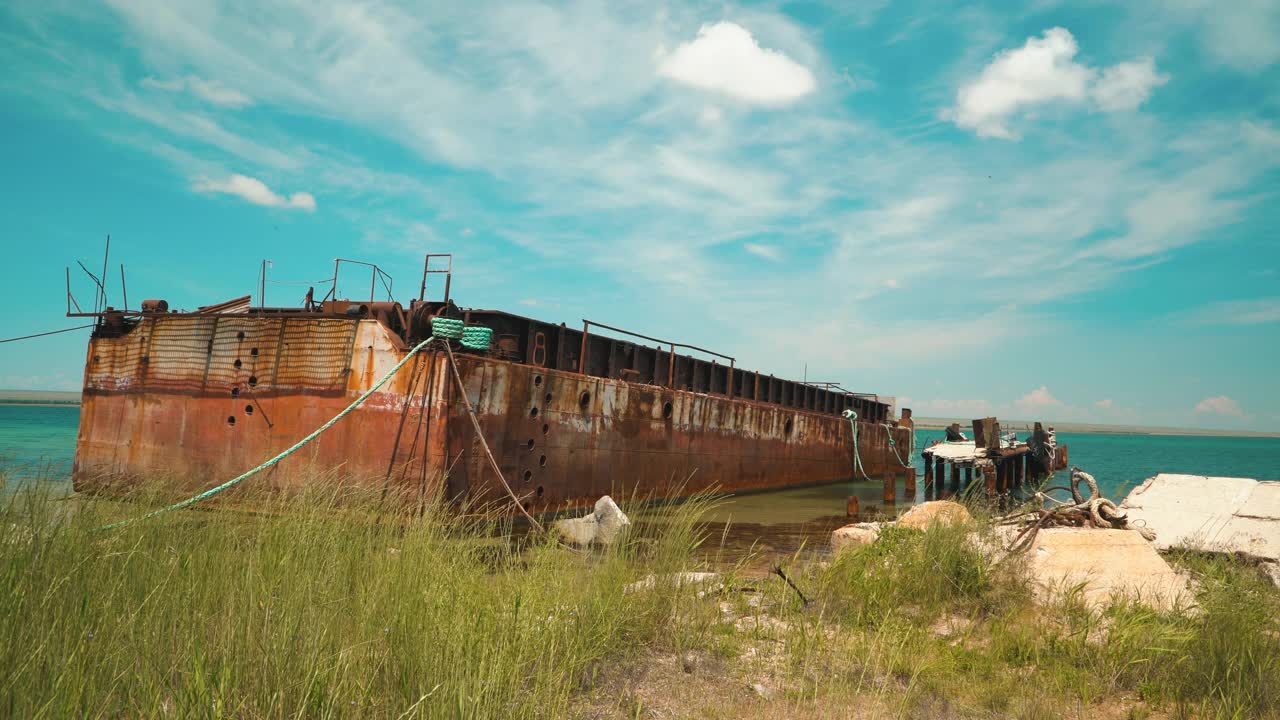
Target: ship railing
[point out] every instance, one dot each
(671, 348)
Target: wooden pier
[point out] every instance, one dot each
(950, 468)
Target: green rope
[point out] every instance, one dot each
(476, 337)
(911, 451)
(857, 457)
(446, 328)
(294, 448)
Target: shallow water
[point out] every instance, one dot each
(39, 442)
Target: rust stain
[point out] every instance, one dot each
(203, 398)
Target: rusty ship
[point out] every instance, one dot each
(568, 413)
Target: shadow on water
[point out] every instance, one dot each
(757, 531)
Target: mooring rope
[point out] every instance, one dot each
(475, 423)
(911, 451)
(51, 332)
(292, 449)
(857, 456)
(1093, 511)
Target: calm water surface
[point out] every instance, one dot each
(39, 442)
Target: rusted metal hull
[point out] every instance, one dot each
(202, 399)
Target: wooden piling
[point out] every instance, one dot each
(928, 477)
(890, 488)
(968, 476)
(955, 478)
(851, 507)
(909, 488)
(939, 477)
(989, 476)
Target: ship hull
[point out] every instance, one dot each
(200, 400)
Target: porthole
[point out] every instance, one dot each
(529, 445)
(667, 409)
(545, 428)
(528, 475)
(235, 392)
(584, 400)
(253, 381)
(537, 380)
(787, 426)
(542, 461)
(248, 409)
(533, 412)
(231, 420)
(237, 363)
(546, 398)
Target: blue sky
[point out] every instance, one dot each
(1066, 211)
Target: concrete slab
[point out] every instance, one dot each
(1218, 514)
(1109, 564)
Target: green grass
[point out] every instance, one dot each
(936, 628)
(316, 606)
(321, 605)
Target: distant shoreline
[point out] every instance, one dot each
(50, 398)
(20, 403)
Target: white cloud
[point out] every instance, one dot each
(212, 91)
(768, 252)
(725, 58)
(710, 115)
(1220, 405)
(1039, 399)
(256, 192)
(1044, 70)
(1105, 404)
(1239, 312)
(1126, 85)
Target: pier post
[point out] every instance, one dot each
(851, 508)
(1018, 464)
(890, 488)
(928, 477)
(989, 476)
(955, 478)
(939, 477)
(909, 488)
(968, 475)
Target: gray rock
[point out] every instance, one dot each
(854, 535)
(604, 525)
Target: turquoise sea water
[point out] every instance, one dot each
(764, 528)
(44, 438)
(40, 442)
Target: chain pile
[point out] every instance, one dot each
(1094, 511)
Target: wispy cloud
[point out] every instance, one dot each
(1238, 312)
(768, 252)
(211, 91)
(255, 191)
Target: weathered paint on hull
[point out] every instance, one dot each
(172, 401)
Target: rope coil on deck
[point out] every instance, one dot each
(476, 337)
(449, 328)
